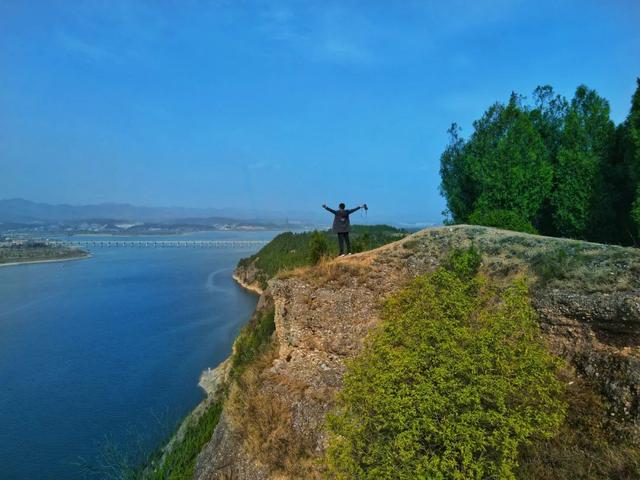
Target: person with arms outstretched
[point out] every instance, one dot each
(341, 225)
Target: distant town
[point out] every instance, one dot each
(19, 217)
(117, 228)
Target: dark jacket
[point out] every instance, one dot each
(341, 222)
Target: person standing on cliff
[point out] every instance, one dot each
(341, 225)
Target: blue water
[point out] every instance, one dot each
(107, 351)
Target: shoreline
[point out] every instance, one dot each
(173, 234)
(52, 260)
(209, 381)
(252, 288)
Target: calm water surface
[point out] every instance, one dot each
(108, 350)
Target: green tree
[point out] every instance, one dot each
(584, 150)
(631, 156)
(548, 117)
(453, 382)
(456, 185)
(509, 161)
(505, 219)
(318, 247)
(503, 166)
(362, 243)
(554, 167)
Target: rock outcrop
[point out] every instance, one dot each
(249, 277)
(273, 427)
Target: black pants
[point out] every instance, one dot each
(343, 240)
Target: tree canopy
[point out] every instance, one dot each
(555, 166)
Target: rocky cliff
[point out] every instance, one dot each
(249, 277)
(273, 425)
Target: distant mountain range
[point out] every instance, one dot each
(24, 211)
(18, 213)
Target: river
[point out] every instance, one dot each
(102, 356)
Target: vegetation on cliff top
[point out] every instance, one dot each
(291, 250)
(562, 168)
(451, 385)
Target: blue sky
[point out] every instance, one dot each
(279, 105)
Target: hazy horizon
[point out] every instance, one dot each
(279, 106)
(177, 212)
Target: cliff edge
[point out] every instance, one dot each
(587, 297)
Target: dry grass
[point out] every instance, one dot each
(588, 446)
(336, 272)
(265, 421)
(551, 262)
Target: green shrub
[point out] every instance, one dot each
(180, 462)
(506, 219)
(451, 385)
(362, 243)
(251, 340)
(318, 247)
(464, 262)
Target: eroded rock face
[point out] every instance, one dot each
(249, 277)
(323, 315)
(599, 334)
(224, 457)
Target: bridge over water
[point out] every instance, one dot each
(161, 243)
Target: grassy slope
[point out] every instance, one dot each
(291, 250)
(179, 462)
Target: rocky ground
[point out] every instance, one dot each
(587, 296)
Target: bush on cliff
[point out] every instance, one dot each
(180, 460)
(451, 385)
(465, 263)
(318, 247)
(251, 341)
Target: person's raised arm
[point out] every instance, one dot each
(329, 209)
(350, 211)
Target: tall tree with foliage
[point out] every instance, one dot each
(512, 163)
(504, 166)
(548, 116)
(583, 151)
(457, 185)
(563, 168)
(631, 153)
